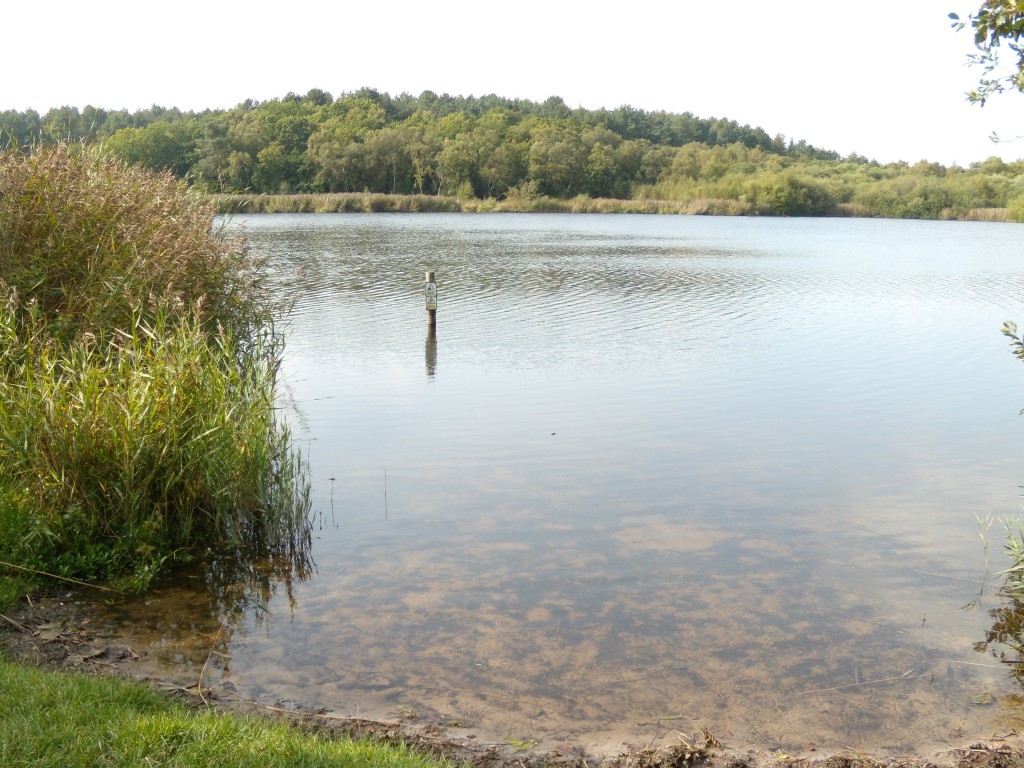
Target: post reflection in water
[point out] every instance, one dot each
(430, 352)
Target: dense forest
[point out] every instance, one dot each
(494, 148)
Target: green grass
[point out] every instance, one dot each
(68, 720)
(13, 588)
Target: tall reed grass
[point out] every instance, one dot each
(92, 240)
(138, 372)
(340, 202)
(513, 203)
(980, 214)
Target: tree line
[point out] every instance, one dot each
(492, 147)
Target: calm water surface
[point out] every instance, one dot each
(651, 473)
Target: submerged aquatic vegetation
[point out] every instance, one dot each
(138, 371)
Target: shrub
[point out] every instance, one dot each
(138, 367)
(94, 241)
(1015, 209)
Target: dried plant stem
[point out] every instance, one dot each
(865, 682)
(15, 624)
(213, 650)
(342, 718)
(58, 578)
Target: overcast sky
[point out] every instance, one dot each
(885, 79)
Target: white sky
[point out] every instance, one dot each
(885, 79)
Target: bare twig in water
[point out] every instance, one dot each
(59, 578)
(213, 650)
(905, 676)
(100, 663)
(662, 719)
(16, 624)
(973, 580)
(970, 663)
(173, 687)
(863, 755)
(343, 718)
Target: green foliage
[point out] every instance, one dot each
(137, 377)
(66, 721)
(486, 148)
(1009, 330)
(163, 146)
(369, 141)
(789, 194)
(995, 23)
(1015, 208)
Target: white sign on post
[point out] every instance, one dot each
(431, 292)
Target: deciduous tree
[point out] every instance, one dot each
(996, 22)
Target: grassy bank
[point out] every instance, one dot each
(138, 367)
(69, 720)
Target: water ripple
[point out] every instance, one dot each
(681, 459)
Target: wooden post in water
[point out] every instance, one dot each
(431, 294)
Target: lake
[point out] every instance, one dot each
(650, 473)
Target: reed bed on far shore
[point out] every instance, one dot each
(341, 202)
(357, 202)
(985, 214)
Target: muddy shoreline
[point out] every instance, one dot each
(57, 632)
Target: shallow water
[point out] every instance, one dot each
(651, 473)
